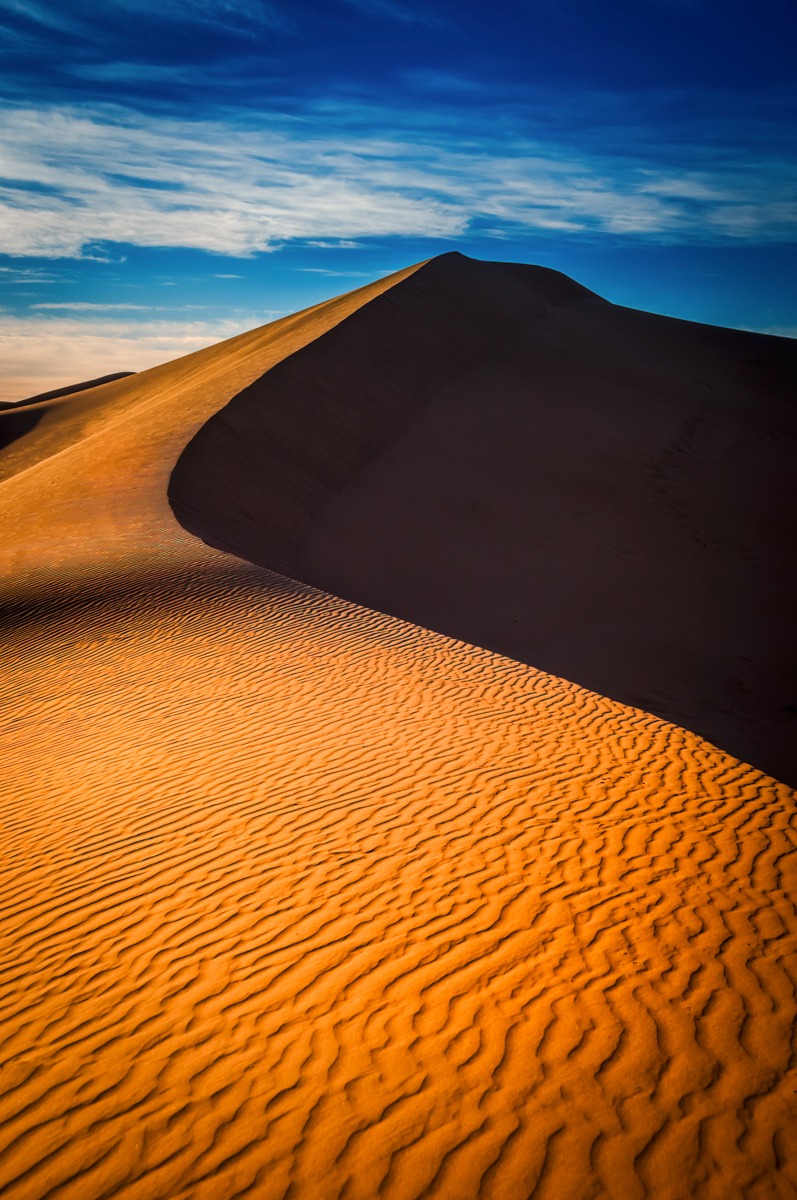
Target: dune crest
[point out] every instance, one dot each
(84, 493)
(491, 451)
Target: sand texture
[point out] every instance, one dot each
(300, 901)
(493, 452)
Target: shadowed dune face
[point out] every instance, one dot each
(301, 902)
(493, 452)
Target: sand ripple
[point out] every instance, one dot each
(303, 901)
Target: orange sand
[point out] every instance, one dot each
(302, 901)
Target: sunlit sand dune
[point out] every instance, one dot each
(304, 901)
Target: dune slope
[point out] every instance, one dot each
(493, 452)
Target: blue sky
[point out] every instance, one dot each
(174, 171)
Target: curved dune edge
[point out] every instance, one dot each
(491, 451)
(303, 901)
(83, 495)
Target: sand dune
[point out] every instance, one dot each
(493, 452)
(304, 901)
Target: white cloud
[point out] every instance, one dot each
(111, 175)
(87, 304)
(30, 275)
(239, 192)
(43, 353)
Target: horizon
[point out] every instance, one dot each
(189, 171)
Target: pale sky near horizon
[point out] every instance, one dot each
(175, 172)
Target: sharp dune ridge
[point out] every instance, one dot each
(303, 900)
(84, 493)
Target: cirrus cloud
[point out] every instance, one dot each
(79, 177)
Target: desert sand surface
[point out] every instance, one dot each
(304, 900)
(491, 451)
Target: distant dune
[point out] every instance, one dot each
(68, 390)
(302, 901)
(493, 452)
(21, 416)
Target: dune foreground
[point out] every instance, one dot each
(301, 901)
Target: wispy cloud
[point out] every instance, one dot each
(393, 11)
(52, 16)
(88, 177)
(236, 16)
(240, 191)
(87, 305)
(29, 275)
(240, 16)
(137, 72)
